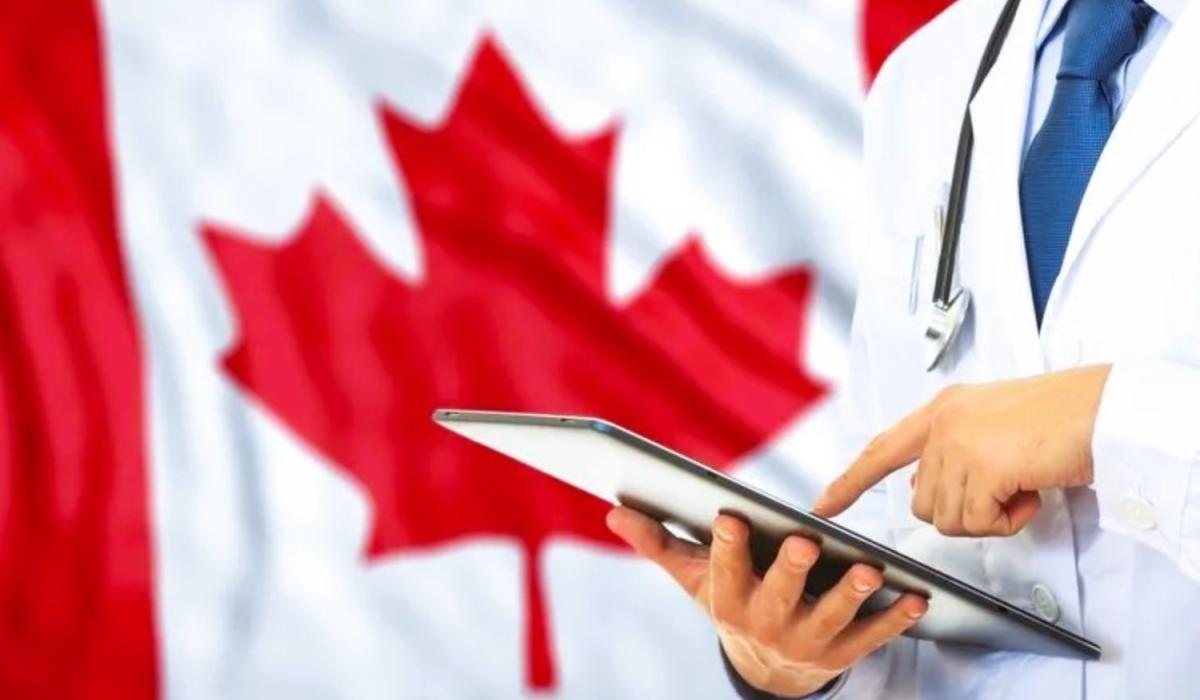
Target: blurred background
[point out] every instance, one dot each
(246, 246)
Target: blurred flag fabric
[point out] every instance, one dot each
(246, 247)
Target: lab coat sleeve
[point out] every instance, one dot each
(1146, 457)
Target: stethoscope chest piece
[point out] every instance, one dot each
(944, 325)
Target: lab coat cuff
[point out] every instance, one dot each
(1145, 447)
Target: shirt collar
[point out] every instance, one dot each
(1167, 9)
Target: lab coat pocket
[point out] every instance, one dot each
(894, 309)
(895, 306)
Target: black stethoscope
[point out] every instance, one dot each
(951, 300)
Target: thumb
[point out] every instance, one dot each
(686, 562)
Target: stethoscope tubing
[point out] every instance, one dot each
(943, 290)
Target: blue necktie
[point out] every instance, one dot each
(1099, 36)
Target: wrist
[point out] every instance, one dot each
(774, 679)
(1086, 390)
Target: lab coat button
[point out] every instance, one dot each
(1044, 603)
(1138, 512)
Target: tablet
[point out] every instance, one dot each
(621, 467)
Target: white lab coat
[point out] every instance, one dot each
(1120, 559)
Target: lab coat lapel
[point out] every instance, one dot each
(1165, 101)
(998, 115)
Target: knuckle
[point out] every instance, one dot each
(727, 615)
(971, 504)
(765, 630)
(721, 573)
(975, 527)
(877, 445)
(1005, 482)
(724, 572)
(975, 522)
(725, 610)
(992, 483)
(825, 628)
(941, 425)
(948, 394)
(770, 610)
(950, 529)
(940, 523)
(959, 449)
(804, 651)
(946, 521)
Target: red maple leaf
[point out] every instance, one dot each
(512, 314)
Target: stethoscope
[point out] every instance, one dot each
(950, 299)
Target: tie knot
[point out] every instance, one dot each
(1100, 34)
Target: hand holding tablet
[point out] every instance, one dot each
(776, 639)
(810, 602)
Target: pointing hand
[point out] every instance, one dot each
(984, 451)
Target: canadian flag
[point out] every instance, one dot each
(247, 246)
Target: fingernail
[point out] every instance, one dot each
(919, 613)
(723, 533)
(862, 586)
(800, 556)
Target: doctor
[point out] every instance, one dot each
(1052, 456)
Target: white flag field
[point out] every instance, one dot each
(247, 247)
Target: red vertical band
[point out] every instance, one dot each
(76, 611)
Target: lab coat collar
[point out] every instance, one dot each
(998, 117)
(1170, 10)
(1166, 101)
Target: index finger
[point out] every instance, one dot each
(887, 452)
